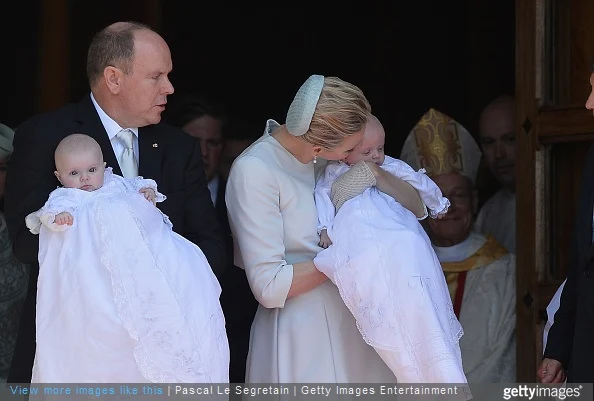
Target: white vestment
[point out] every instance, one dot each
(497, 217)
(389, 277)
(120, 296)
(487, 314)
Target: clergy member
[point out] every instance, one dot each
(498, 139)
(479, 270)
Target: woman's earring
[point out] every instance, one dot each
(315, 160)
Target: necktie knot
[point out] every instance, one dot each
(125, 136)
(126, 159)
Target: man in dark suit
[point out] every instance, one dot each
(205, 119)
(570, 344)
(127, 67)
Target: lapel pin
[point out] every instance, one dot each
(155, 145)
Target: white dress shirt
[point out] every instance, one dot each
(112, 129)
(213, 187)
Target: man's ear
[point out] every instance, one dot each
(104, 164)
(113, 76)
(58, 176)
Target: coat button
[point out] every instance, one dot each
(587, 273)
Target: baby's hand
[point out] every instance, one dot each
(325, 241)
(64, 218)
(441, 215)
(149, 194)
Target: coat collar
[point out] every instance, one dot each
(148, 145)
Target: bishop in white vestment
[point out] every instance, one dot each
(479, 271)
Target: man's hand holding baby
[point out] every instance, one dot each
(149, 194)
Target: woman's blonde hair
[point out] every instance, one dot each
(342, 111)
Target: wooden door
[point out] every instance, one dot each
(554, 52)
(65, 31)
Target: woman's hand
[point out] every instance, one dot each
(400, 190)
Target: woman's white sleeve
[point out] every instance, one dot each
(253, 205)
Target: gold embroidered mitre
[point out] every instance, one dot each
(440, 145)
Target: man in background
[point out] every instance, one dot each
(497, 217)
(221, 141)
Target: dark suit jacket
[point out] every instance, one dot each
(221, 209)
(571, 337)
(166, 154)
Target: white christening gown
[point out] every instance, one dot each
(389, 277)
(121, 297)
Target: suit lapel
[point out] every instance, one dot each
(586, 227)
(220, 204)
(150, 154)
(91, 125)
(149, 157)
(589, 233)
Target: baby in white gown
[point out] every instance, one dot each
(120, 296)
(384, 265)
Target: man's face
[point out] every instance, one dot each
(456, 225)
(209, 131)
(232, 149)
(143, 93)
(590, 101)
(498, 141)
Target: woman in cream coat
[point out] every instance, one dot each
(302, 331)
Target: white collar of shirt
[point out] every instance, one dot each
(109, 124)
(213, 187)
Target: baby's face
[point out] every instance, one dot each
(371, 149)
(83, 170)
